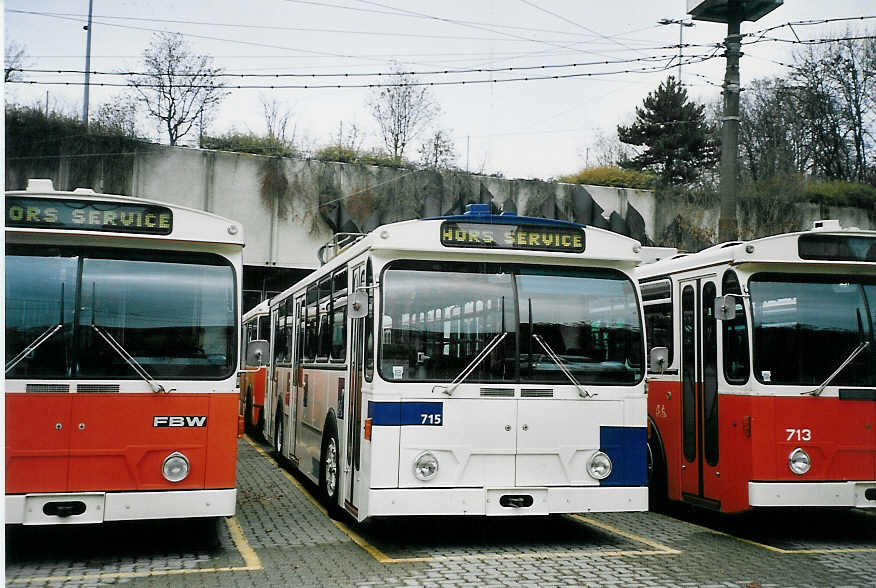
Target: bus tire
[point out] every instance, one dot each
(657, 476)
(247, 413)
(279, 433)
(329, 473)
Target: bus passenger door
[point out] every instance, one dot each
(699, 388)
(352, 442)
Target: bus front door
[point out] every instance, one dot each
(699, 388)
(353, 437)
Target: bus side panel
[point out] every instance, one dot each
(664, 408)
(120, 441)
(36, 448)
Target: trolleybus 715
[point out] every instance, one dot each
(762, 383)
(121, 356)
(255, 326)
(474, 364)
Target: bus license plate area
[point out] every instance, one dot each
(63, 509)
(517, 501)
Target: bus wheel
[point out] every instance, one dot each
(279, 432)
(656, 475)
(247, 414)
(328, 471)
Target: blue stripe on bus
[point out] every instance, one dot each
(394, 414)
(627, 448)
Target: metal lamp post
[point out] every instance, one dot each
(681, 24)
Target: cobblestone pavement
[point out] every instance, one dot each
(281, 537)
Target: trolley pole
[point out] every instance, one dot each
(728, 229)
(87, 65)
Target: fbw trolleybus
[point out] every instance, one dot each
(255, 326)
(121, 356)
(762, 383)
(473, 364)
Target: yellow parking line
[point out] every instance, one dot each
(611, 529)
(249, 557)
(381, 557)
(776, 549)
(355, 537)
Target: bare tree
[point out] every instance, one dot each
(277, 118)
(15, 58)
(438, 152)
(607, 150)
(178, 88)
(401, 111)
(118, 115)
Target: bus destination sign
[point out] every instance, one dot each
(512, 236)
(83, 215)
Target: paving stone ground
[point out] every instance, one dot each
(289, 541)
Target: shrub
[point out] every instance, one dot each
(249, 143)
(337, 153)
(612, 176)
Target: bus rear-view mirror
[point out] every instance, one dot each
(658, 359)
(256, 352)
(357, 305)
(725, 307)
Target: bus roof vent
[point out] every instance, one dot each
(40, 186)
(826, 225)
(83, 191)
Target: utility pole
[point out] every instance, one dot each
(87, 65)
(728, 229)
(681, 24)
(732, 12)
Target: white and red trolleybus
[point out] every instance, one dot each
(474, 364)
(121, 357)
(255, 326)
(762, 383)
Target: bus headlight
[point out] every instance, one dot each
(599, 466)
(175, 467)
(799, 462)
(426, 466)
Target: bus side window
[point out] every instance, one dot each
(280, 348)
(264, 330)
(735, 335)
(339, 316)
(657, 303)
(311, 330)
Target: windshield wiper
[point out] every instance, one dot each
(43, 337)
(855, 353)
(473, 365)
(559, 362)
(32, 347)
(135, 365)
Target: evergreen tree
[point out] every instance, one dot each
(676, 139)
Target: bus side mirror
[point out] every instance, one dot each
(658, 359)
(357, 305)
(256, 351)
(725, 307)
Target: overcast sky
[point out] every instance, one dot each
(522, 129)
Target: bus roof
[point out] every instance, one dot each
(260, 309)
(186, 224)
(827, 243)
(422, 237)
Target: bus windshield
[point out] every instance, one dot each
(439, 315)
(174, 313)
(805, 326)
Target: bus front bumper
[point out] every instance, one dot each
(506, 501)
(847, 494)
(96, 507)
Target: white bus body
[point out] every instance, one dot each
(477, 364)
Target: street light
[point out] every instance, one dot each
(681, 24)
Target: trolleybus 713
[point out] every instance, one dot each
(762, 383)
(121, 357)
(255, 326)
(474, 364)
